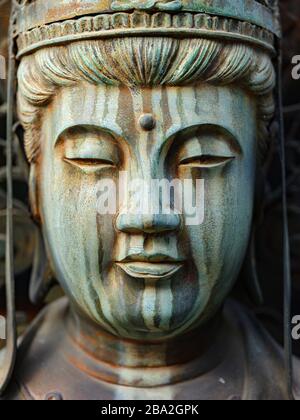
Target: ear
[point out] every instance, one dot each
(41, 279)
(259, 197)
(250, 273)
(34, 193)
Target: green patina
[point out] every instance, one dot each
(43, 12)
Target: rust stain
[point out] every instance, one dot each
(74, 9)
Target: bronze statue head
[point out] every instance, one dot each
(157, 90)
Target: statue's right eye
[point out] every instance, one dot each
(90, 163)
(89, 149)
(91, 152)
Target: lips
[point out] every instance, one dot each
(150, 270)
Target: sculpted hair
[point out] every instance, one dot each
(138, 62)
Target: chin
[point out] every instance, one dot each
(149, 331)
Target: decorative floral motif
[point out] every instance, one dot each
(170, 5)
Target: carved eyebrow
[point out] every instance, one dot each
(207, 129)
(80, 129)
(200, 129)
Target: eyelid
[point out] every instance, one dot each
(91, 147)
(92, 163)
(206, 161)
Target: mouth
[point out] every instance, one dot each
(150, 270)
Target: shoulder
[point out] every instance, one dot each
(266, 373)
(37, 351)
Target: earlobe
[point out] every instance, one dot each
(259, 198)
(34, 193)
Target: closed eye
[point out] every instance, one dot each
(92, 163)
(206, 161)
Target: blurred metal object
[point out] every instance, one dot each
(24, 235)
(9, 352)
(23, 244)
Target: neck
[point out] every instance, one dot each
(138, 363)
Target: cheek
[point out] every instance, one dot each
(80, 243)
(218, 245)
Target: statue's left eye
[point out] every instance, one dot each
(90, 162)
(205, 161)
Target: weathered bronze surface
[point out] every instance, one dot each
(159, 91)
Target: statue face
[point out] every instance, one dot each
(143, 276)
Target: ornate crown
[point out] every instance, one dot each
(42, 23)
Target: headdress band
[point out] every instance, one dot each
(42, 23)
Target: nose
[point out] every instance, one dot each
(150, 224)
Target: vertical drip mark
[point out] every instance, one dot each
(165, 305)
(149, 304)
(175, 118)
(112, 107)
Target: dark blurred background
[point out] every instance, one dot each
(269, 232)
(269, 241)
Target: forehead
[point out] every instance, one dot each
(118, 109)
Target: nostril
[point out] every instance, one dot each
(136, 223)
